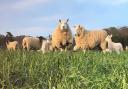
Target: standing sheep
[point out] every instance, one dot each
(32, 43)
(46, 46)
(62, 36)
(112, 46)
(88, 40)
(12, 45)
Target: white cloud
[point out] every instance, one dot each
(114, 2)
(21, 4)
(51, 18)
(104, 2)
(32, 31)
(47, 18)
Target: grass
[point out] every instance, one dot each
(63, 70)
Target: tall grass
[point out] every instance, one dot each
(63, 70)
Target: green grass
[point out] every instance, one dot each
(63, 70)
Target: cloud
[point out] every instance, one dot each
(104, 2)
(29, 30)
(21, 4)
(48, 18)
(51, 18)
(114, 2)
(33, 31)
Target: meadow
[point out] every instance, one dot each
(63, 70)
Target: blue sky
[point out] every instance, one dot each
(40, 17)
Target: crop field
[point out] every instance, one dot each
(63, 70)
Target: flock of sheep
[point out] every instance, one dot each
(62, 39)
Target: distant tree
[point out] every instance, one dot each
(2, 41)
(9, 36)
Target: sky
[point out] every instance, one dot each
(40, 17)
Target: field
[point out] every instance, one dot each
(63, 70)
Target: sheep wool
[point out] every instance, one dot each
(88, 40)
(31, 42)
(12, 45)
(62, 35)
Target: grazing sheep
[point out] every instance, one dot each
(112, 46)
(32, 43)
(12, 45)
(46, 46)
(88, 40)
(62, 36)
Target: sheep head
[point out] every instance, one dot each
(108, 38)
(79, 30)
(63, 24)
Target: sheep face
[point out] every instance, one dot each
(63, 24)
(108, 38)
(78, 29)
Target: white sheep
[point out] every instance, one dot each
(112, 46)
(85, 39)
(32, 43)
(126, 48)
(46, 46)
(62, 36)
(12, 45)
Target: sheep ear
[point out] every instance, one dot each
(79, 25)
(108, 35)
(111, 35)
(67, 20)
(59, 20)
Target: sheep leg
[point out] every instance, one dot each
(28, 47)
(84, 50)
(118, 51)
(14, 48)
(61, 49)
(121, 49)
(75, 48)
(103, 46)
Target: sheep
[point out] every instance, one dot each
(32, 43)
(62, 36)
(46, 46)
(126, 48)
(12, 45)
(112, 46)
(89, 39)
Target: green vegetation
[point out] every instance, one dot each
(63, 70)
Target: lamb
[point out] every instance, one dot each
(112, 46)
(46, 46)
(12, 45)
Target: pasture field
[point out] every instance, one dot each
(63, 70)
